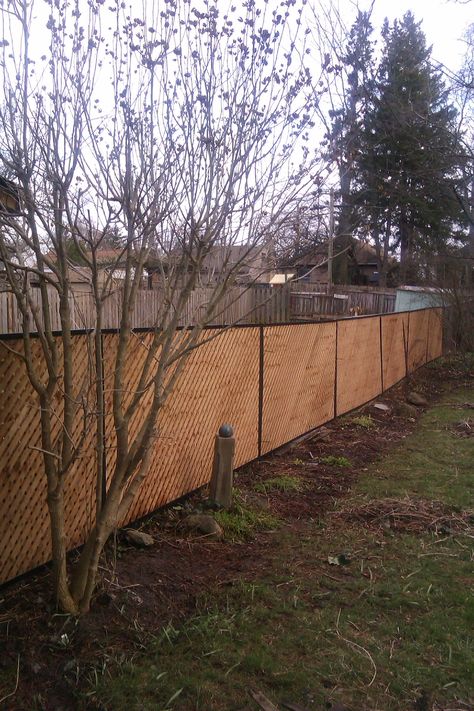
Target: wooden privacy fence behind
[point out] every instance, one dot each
(273, 383)
(257, 304)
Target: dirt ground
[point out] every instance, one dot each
(47, 657)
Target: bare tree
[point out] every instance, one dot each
(345, 53)
(178, 128)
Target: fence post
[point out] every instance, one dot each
(427, 336)
(223, 467)
(335, 372)
(381, 353)
(260, 387)
(101, 405)
(408, 345)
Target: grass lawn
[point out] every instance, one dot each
(368, 607)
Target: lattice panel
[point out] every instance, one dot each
(359, 376)
(298, 389)
(435, 334)
(417, 338)
(24, 518)
(394, 348)
(218, 384)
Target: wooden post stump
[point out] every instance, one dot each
(223, 467)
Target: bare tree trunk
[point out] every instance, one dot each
(64, 597)
(405, 247)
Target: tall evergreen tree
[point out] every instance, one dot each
(464, 88)
(410, 152)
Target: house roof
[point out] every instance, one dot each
(216, 257)
(363, 253)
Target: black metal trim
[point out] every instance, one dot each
(427, 337)
(408, 346)
(335, 370)
(261, 372)
(103, 493)
(381, 352)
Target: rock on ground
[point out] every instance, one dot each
(205, 524)
(417, 399)
(138, 538)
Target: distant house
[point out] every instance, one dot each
(110, 258)
(9, 197)
(9, 206)
(248, 265)
(312, 267)
(80, 278)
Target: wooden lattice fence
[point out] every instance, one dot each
(273, 383)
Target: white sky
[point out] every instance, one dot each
(443, 22)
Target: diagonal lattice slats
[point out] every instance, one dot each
(394, 348)
(24, 518)
(220, 382)
(435, 334)
(359, 376)
(418, 328)
(298, 385)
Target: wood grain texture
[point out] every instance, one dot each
(435, 334)
(359, 377)
(394, 348)
(218, 384)
(298, 389)
(24, 517)
(418, 329)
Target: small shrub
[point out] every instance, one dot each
(280, 483)
(364, 421)
(336, 461)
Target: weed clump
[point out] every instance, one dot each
(280, 483)
(333, 461)
(364, 421)
(242, 522)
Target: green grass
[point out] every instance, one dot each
(364, 421)
(242, 521)
(433, 462)
(285, 482)
(393, 626)
(333, 461)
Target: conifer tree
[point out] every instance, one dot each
(410, 152)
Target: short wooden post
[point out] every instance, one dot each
(223, 467)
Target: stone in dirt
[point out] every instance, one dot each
(323, 434)
(204, 524)
(138, 538)
(406, 410)
(417, 399)
(382, 406)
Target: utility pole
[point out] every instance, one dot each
(331, 239)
